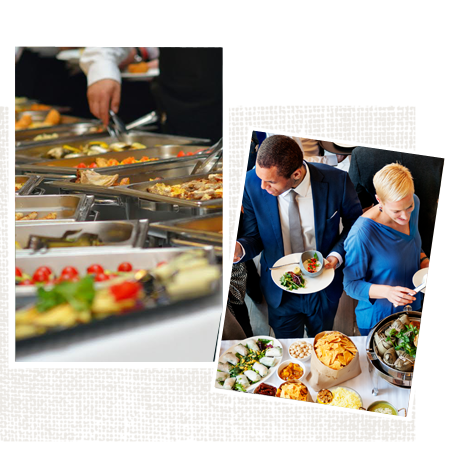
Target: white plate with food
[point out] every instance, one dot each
(151, 73)
(421, 277)
(311, 285)
(243, 372)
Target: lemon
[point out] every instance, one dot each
(296, 270)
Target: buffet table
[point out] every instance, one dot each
(398, 397)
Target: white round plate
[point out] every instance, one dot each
(272, 370)
(312, 284)
(345, 145)
(69, 55)
(418, 278)
(140, 76)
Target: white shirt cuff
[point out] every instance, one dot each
(243, 253)
(338, 256)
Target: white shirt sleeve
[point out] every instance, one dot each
(99, 63)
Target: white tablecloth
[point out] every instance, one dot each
(398, 397)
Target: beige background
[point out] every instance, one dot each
(171, 405)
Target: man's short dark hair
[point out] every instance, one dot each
(282, 152)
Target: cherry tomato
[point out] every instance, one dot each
(26, 283)
(18, 272)
(161, 263)
(40, 276)
(125, 267)
(101, 277)
(189, 154)
(69, 270)
(92, 166)
(68, 277)
(125, 291)
(44, 269)
(81, 166)
(95, 269)
(181, 153)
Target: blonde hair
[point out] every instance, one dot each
(393, 183)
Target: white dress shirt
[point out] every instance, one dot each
(306, 212)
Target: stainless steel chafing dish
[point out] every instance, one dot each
(113, 234)
(69, 208)
(377, 367)
(29, 183)
(37, 153)
(25, 138)
(193, 232)
(39, 116)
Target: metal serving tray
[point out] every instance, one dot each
(109, 259)
(113, 233)
(39, 116)
(30, 182)
(194, 231)
(26, 138)
(69, 208)
(37, 153)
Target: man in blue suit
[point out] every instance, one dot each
(323, 196)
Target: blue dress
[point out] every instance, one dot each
(378, 254)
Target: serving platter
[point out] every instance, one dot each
(418, 278)
(145, 76)
(272, 370)
(312, 284)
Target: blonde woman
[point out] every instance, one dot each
(383, 250)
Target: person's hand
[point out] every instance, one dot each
(399, 296)
(237, 252)
(332, 262)
(103, 96)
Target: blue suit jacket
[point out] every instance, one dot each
(332, 191)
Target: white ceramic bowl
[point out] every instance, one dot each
(306, 358)
(285, 364)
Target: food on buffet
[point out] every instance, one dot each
(200, 189)
(19, 186)
(103, 162)
(97, 179)
(71, 273)
(26, 121)
(91, 149)
(312, 265)
(300, 349)
(229, 383)
(292, 281)
(46, 136)
(294, 391)
(74, 299)
(383, 408)
(345, 398)
(248, 363)
(34, 216)
(324, 396)
(266, 389)
(273, 351)
(222, 376)
(69, 303)
(291, 372)
(141, 67)
(335, 350)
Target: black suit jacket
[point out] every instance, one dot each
(425, 170)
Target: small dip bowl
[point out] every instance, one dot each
(308, 255)
(384, 407)
(284, 364)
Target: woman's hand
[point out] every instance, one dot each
(399, 296)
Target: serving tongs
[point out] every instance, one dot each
(116, 127)
(71, 238)
(211, 162)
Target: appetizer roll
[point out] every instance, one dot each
(252, 345)
(232, 359)
(229, 383)
(275, 351)
(262, 370)
(224, 367)
(243, 381)
(222, 376)
(251, 375)
(268, 361)
(241, 350)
